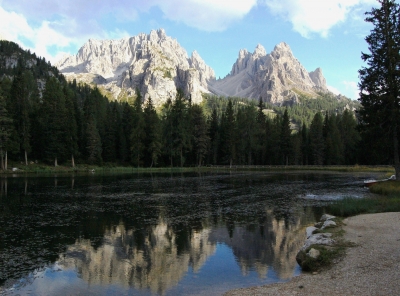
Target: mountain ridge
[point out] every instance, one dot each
(157, 65)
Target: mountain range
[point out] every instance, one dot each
(157, 65)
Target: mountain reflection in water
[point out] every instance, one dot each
(154, 234)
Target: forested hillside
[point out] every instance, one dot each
(44, 118)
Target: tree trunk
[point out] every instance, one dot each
(73, 161)
(55, 162)
(2, 159)
(26, 158)
(181, 158)
(151, 165)
(6, 162)
(396, 153)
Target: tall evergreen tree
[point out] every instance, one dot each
(199, 134)
(380, 79)
(285, 139)
(53, 122)
(152, 129)
(214, 135)
(317, 140)
(24, 92)
(137, 133)
(6, 128)
(228, 134)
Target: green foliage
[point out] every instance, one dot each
(354, 206)
(380, 80)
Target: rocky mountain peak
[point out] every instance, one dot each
(276, 77)
(157, 65)
(259, 51)
(282, 50)
(154, 63)
(318, 78)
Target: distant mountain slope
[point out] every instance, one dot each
(13, 58)
(276, 77)
(158, 65)
(154, 63)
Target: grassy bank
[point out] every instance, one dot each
(17, 168)
(387, 200)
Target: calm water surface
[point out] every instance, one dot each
(159, 234)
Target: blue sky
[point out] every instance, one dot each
(321, 33)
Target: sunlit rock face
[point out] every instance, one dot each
(152, 261)
(155, 64)
(277, 77)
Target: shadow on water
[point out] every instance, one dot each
(166, 234)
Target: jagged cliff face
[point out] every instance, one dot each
(154, 63)
(276, 77)
(158, 65)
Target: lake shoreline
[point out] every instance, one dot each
(369, 268)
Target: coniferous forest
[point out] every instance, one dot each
(45, 118)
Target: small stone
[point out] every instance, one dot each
(310, 230)
(327, 217)
(314, 273)
(328, 223)
(318, 239)
(313, 253)
(318, 225)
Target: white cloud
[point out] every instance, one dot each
(45, 35)
(314, 16)
(351, 89)
(333, 89)
(208, 15)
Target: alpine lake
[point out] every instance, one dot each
(159, 234)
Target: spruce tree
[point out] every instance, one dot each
(6, 128)
(137, 133)
(53, 122)
(380, 79)
(285, 139)
(317, 144)
(199, 135)
(152, 131)
(214, 136)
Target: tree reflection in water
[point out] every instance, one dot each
(148, 233)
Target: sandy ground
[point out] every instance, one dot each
(372, 267)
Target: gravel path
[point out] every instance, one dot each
(370, 268)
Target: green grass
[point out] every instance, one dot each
(328, 255)
(388, 200)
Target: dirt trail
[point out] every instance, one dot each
(372, 267)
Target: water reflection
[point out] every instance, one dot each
(154, 264)
(155, 234)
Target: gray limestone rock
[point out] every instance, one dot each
(318, 239)
(313, 253)
(326, 217)
(310, 230)
(154, 63)
(328, 223)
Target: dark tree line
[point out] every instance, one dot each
(45, 118)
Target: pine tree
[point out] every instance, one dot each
(137, 134)
(53, 122)
(285, 139)
(152, 131)
(317, 140)
(24, 92)
(93, 144)
(200, 137)
(6, 128)
(214, 135)
(228, 134)
(380, 79)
